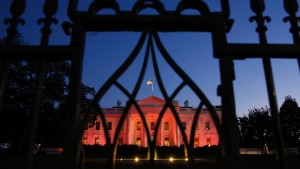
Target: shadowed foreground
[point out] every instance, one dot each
(54, 161)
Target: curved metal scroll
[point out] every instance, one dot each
(187, 81)
(97, 6)
(113, 80)
(143, 4)
(200, 6)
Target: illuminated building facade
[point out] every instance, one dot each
(133, 132)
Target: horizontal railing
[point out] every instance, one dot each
(217, 23)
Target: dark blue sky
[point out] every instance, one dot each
(192, 51)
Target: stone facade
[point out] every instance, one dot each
(134, 132)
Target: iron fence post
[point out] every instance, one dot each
(226, 91)
(258, 7)
(72, 125)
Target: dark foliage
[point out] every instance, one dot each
(14, 41)
(19, 101)
(132, 151)
(290, 121)
(255, 129)
(123, 151)
(206, 151)
(170, 151)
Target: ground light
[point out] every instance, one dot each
(136, 159)
(171, 159)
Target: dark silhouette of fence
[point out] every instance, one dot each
(216, 23)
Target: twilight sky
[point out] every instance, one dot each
(105, 52)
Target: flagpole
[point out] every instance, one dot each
(152, 87)
(150, 82)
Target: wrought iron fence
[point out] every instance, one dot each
(216, 23)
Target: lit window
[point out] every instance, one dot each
(208, 142)
(138, 126)
(109, 125)
(97, 126)
(138, 141)
(166, 125)
(152, 125)
(166, 142)
(120, 141)
(96, 140)
(183, 125)
(207, 126)
(84, 140)
(196, 142)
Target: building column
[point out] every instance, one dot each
(161, 136)
(145, 142)
(128, 130)
(178, 135)
(175, 133)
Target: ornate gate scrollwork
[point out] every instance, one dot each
(186, 81)
(217, 23)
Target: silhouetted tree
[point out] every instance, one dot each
(19, 100)
(12, 119)
(86, 91)
(290, 120)
(14, 41)
(255, 129)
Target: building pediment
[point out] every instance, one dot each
(152, 101)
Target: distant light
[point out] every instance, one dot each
(136, 159)
(171, 159)
(186, 159)
(121, 159)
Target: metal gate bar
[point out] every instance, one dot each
(216, 23)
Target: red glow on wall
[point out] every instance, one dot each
(133, 130)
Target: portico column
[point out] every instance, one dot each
(145, 142)
(161, 135)
(174, 131)
(128, 130)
